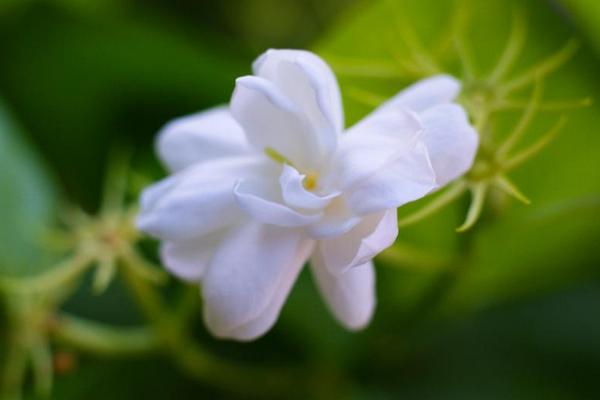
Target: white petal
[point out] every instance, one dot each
(261, 200)
(369, 145)
(337, 220)
(406, 177)
(155, 192)
(189, 259)
(249, 277)
(372, 235)
(197, 200)
(426, 93)
(266, 319)
(382, 162)
(451, 141)
(306, 79)
(271, 120)
(349, 296)
(295, 194)
(203, 136)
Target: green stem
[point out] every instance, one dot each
(60, 275)
(14, 367)
(548, 106)
(142, 268)
(448, 196)
(103, 340)
(535, 148)
(513, 48)
(465, 57)
(523, 123)
(543, 68)
(417, 50)
(41, 363)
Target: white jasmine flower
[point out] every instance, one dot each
(272, 181)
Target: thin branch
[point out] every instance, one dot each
(418, 52)
(41, 364)
(551, 106)
(448, 196)
(62, 274)
(101, 339)
(462, 50)
(507, 186)
(460, 18)
(544, 68)
(535, 148)
(105, 271)
(523, 123)
(13, 368)
(142, 267)
(513, 47)
(478, 191)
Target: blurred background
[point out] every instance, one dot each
(509, 310)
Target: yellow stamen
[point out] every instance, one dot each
(310, 181)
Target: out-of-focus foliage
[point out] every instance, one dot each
(82, 76)
(83, 81)
(27, 203)
(586, 13)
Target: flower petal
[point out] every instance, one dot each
(372, 235)
(382, 162)
(310, 83)
(197, 200)
(271, 120)
(337, 220)
(152, 194)
(261, 200)
(261, 324)
(199, 137)
(451, 141)
(295, 194)
(249, 277)
(427, 93)
(408, 176)
(368, 146)
(350, 296)
(189, 259)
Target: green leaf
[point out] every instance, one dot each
(26, 204)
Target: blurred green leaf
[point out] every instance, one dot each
(587, 16)
(83, 81)
(27, 202)
(9, 6)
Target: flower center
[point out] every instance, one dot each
(310, 180)
(311, 177)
